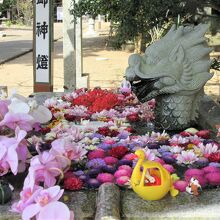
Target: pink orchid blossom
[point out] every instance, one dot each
(13, 153)
(42, 204)
(187, 157)
(69, 149)
(21, 120)
(44, 168)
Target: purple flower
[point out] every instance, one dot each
(123, 134)
(109, 169)
(201, 162)
(96, 135)
(214, 164)
(93, 183)
(104, 146)
(95, 163)
(78, 173)
(93, 172)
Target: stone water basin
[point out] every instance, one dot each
(111, 202)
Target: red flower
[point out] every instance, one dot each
(69, 117)
(203, 134)
(97, 100)
(104, 131)
(133, 117)
(45, 130)
(214, 157)
(113, 133)
(118, 151)
(72, 183)
(185, 134)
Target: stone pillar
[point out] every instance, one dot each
(108, 202)
(81, 81)
(69, 47)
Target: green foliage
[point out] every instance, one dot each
(7, 4)
(135, 17)
(215, 64)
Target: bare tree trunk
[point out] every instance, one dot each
(138, 43)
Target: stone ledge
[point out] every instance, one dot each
(184, 206)
(108, 202)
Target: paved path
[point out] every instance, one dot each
(19, 41)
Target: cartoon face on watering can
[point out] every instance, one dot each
(150, 180)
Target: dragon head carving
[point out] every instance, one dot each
(176, 64)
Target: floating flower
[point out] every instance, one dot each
(93, 183)
(122, 172)
(43, 204)
(21, 120)
(214, 157)
(13, 153)
(178, 140)
(208, 148)
(96, 163)
(210, 169)
(109, 169)
(213, 178)
(122, 180)
(186, 157)
(180, 185)
(118, 151)
(192, 172)
(67, 148)
(99, 153)
(201, 162)
(105, 178)
(203, 134)
(72, 183)
(111, 160)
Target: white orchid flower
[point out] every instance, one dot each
(20, 104)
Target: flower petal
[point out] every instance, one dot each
(30, 211)
(41, 114)
(18, 106)
(55, 211)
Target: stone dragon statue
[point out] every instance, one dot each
(174, 71)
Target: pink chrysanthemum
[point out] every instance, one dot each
(213, 178)
(96, 154)
(125, 167)
(122, 172)
(180, 185)
(211, 169)
(192, 172)
(122, 180)
(105, 178)
(111, 160)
